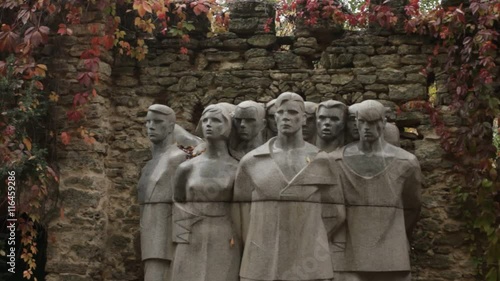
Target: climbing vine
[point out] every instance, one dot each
(468, 33)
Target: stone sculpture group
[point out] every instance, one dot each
(265, 201)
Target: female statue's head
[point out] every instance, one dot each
(216, 122)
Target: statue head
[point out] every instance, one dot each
(270, 112)
(249, 120)
(309, 128)
(370, 120)
(290, 113)
(160, 122)
(216, 122)
(330, 119)
(352, 130)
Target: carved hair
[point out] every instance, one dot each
(371, 110)
(333, 104)
(164, 110)
(310, 107)
(290, 96)
(270, 104)
(353, 108)
(261, 112)
(226, 116)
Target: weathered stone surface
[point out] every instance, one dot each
(256, 82)
(206, 80)
(279, 76)
(353, 86)
(262, 40)
(391, 75)
(367, 50)
(180, 66)
(188, 83)
(243, 25)
(254, 53)
(366, 79)
(336, 50)
(416, 78)
(304, 51)
(235, 44)
(126, 81)
(384, 50)
(364, 70)
(377, 88)
(325, 88)
(406, 92)
(299, 76)
(321, 78)
(384, 61)
(341, 60)
(225, 79)
(167, 81)
(285, 60)
(260, 63)
(341, 79)
(222, 56)
(408, 49)
(165, 59)
(414, 59)
(406, 39)
(371, 40)
(361, 60)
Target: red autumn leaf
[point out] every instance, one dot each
(63, 30)
(86, 78)
(39, 85)
(23, 48)
(65, 138)
(74, 115)
(8, 39)
(199, 8)
(94, 93)
(37, 36)
(25, 14)
(108, 41)
(79, 99)
(184, 51)
(92, 64)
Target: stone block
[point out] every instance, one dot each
(415, 59)
(222, 56)
(299, 76)
(188, 83)
(366, 79)
(364, 70)
(341, 60)
(235, 44)
(309, 42)
(384, 61)
(167, 81)
(407, 92)
(390, 75)
(226, 79)
(262, 40)
(385, 50)
(321, 78)
(126, 81)
(165, 59)
(325, 88)
(286, 60)
(408, 49)
(361, 60)
(341, 79)
(256, 52)
(256, 82)
(262, 63)
(180, 66)
(377, 88)
(367, 50)
(304, 51)
(243, 25)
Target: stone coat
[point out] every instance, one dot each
(155, 190)
(287, 239)
(381, 212)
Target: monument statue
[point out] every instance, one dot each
(382, 185)
(271, 131)
(208, 247)
(330, 122)
(391, 131)
(249, 122)
(155, 190)
(285, 182)
(309, 127)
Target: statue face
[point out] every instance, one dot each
(289, 118)
(351, 126)
(309, 129)
(271, 121)
(248, 126)
(158, 127)
(370, 131)
(330, 122)
(212, 124)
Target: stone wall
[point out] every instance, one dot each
(97, 239)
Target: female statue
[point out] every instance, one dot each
(207, 244)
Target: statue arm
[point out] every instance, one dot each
(180, 179)
(412, 198)
(243, 188)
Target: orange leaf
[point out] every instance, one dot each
(61, 213)
(65, 138)
(27, 143)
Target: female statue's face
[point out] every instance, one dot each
(213, 125)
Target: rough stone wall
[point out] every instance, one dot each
(98, 237)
